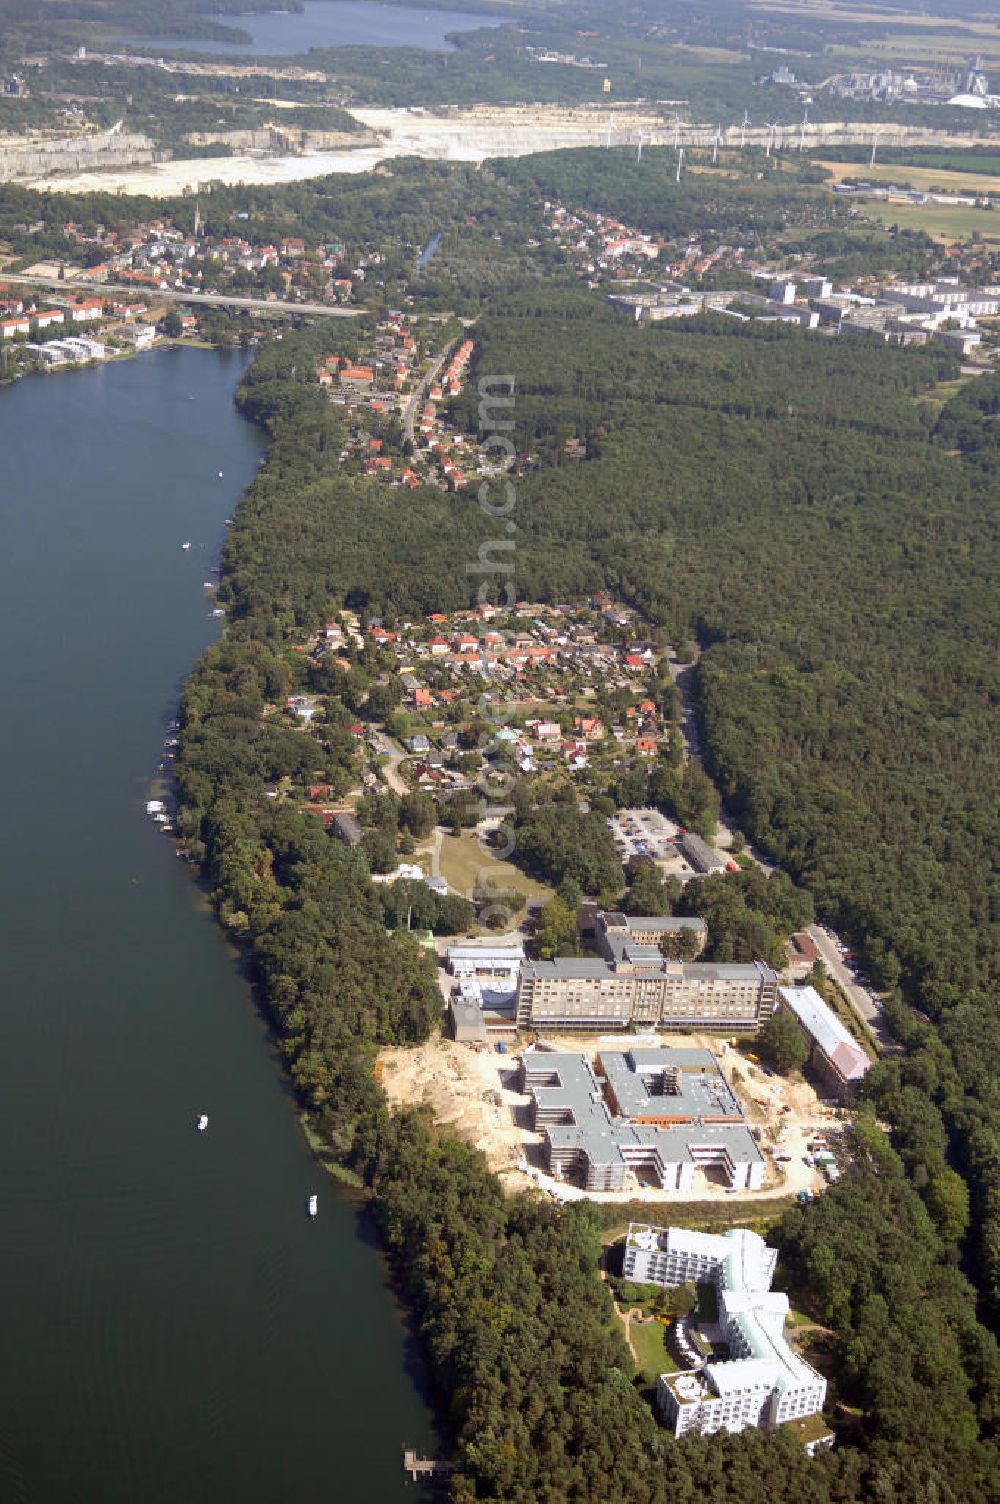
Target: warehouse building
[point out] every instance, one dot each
(700, 856)
(834, 1053)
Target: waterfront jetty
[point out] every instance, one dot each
(426, 1467)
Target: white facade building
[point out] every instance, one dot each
(764, 1383)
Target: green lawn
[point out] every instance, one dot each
(941, 221)
(464, 862)
(704, 1216)
(648, 1339)
(796, 1318)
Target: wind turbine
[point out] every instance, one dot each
(874, 149)
(802, 128)
(743, 132)
(770, 137)
(715, 145)
(680, 164)
(677, 132)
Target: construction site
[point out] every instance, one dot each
(477, 1092)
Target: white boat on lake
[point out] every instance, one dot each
(202, 1122)
(313, 1205)
(185, 546)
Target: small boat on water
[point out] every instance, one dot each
(185, 547)
(313, 1205)
(220, 474)
(202, 1122)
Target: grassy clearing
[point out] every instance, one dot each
(703, 1216)
(796, 1319)
(652, 1357)
(464, 860)
(943, 222)
(938, 396)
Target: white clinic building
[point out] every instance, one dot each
(764, 1383)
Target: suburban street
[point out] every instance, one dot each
(410, 410)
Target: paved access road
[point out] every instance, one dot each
(173, 295)
(410, 410)
(861, 1000)
(391, 755)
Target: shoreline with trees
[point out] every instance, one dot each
(539, 1408)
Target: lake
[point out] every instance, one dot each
(173, 1325)
(332, 23)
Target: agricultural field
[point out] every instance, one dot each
(943, 222)
(896, 35)
(874, 15)
(923, 179)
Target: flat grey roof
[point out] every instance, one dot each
(667, 924)
(685, 1057)
(568, 967)
(603, 1137)
(578, 967)
(654, 1081)
(729, 971)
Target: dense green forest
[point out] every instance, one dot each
(827, 527)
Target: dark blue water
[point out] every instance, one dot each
(333, 23)
(173, 1327)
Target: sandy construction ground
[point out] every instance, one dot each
(454, 135)
(168, 179)
(473, 1092)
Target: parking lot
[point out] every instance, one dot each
(643, 832)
